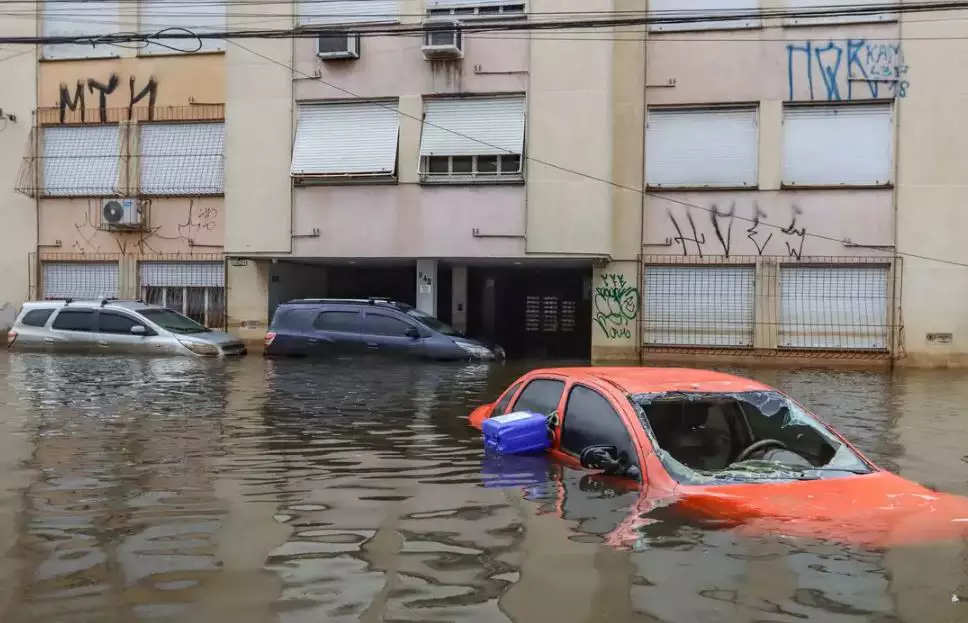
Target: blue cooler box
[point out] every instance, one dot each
(516, 433)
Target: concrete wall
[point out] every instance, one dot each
(931, 190)
(18, 235)
(175, 225)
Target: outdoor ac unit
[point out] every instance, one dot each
(442, 39)
(122, 213)
(338, 45)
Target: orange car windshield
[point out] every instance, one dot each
(719, 438)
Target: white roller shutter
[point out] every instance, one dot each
(698, 306)
(81, 160)
(199, 16)
(81, 19)
(181, 274)
(481, 126)
(459, 4)
(834, 307)
(701, 147)
(834, 145)
(346, 138)
(832, 5)
(703, 8)
(330, 12)
(182, 158)
(80, 280)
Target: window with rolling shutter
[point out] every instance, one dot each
(476, 139)
(701, 148)
(198, 16)
(331, 12)
(182, 158)
(80, 280)
(75, 19)
(81, 161)
(706, 9)
(832, 6)
(346, 139)
(480, 9)
(838, 145)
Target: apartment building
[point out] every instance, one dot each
(125, 163)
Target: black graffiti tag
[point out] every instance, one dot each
(795, 250)
(76, 101)
(616, 306)
(699, 239)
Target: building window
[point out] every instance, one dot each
(838, 145)
(704, 8)
(81, 161)
(76, 19)
(195, 289)
(79, 280)
(834, 307)
(705, 306)
(198, 16)
(698, 148)
(329, 12)
(832, 5)
(182, 158)
(340, 140)
(470, 9)
(473, 140)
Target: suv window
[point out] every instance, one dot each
(74, 320)
(345, 321)
(540, 396)
(114, 322)
(36, 317)
(501, 407)
(378, 324)
(590, 420)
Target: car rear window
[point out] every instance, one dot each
(74, 320)
(36, 317)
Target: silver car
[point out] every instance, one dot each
(113, 326)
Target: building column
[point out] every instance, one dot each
(247, 299)
(427, 286)
(458, 297)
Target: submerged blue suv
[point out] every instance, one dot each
(330, 327)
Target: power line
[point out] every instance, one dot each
(485, 26)
(564, 169)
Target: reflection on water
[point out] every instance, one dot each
(174, 489)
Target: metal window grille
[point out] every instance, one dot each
(204, 305)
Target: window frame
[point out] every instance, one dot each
(72, 310)
(39, 310)
(499, 176)
(355, 312)
(209, 305)
(749, 23)
(472, 12)
(636, 460)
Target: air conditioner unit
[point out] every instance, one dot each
(338, 45)
(443, 39)
(122, 214)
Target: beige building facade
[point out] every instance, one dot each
(766, 188)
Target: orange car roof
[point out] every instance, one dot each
(636, 380)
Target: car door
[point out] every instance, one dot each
(72, 331)
(113, 334)
(334, 332)
(590, 419)
(385, 334)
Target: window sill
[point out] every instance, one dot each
(344, 180)
(839, 20)
(700, 187)
(835, 186)
(166, 53)
(177, 195)
(432, 180)
(672, 29)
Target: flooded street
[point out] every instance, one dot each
(173, 489)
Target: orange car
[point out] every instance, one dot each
(725, 451)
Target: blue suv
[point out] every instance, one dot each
(334, 327)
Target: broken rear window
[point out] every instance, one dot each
(710, 438)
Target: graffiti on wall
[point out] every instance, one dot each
(718, 231)
(846, 70)
(102, 90)
(616, 306)
(171, 235)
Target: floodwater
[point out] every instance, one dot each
(243, 491)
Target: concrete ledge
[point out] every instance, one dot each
(751, 358)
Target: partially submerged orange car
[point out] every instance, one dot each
(725, 451)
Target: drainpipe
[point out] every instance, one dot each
(640, 271)
(36, 157)
(895, 303)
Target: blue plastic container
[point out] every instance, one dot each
(516, 433)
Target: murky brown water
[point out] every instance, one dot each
(140, 489)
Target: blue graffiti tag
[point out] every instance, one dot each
(879, 66)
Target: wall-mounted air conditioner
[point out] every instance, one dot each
(122, 214)
(443, 39)
(338, 45)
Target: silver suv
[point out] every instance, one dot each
(113, 326)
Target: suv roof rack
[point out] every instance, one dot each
(370, 300)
